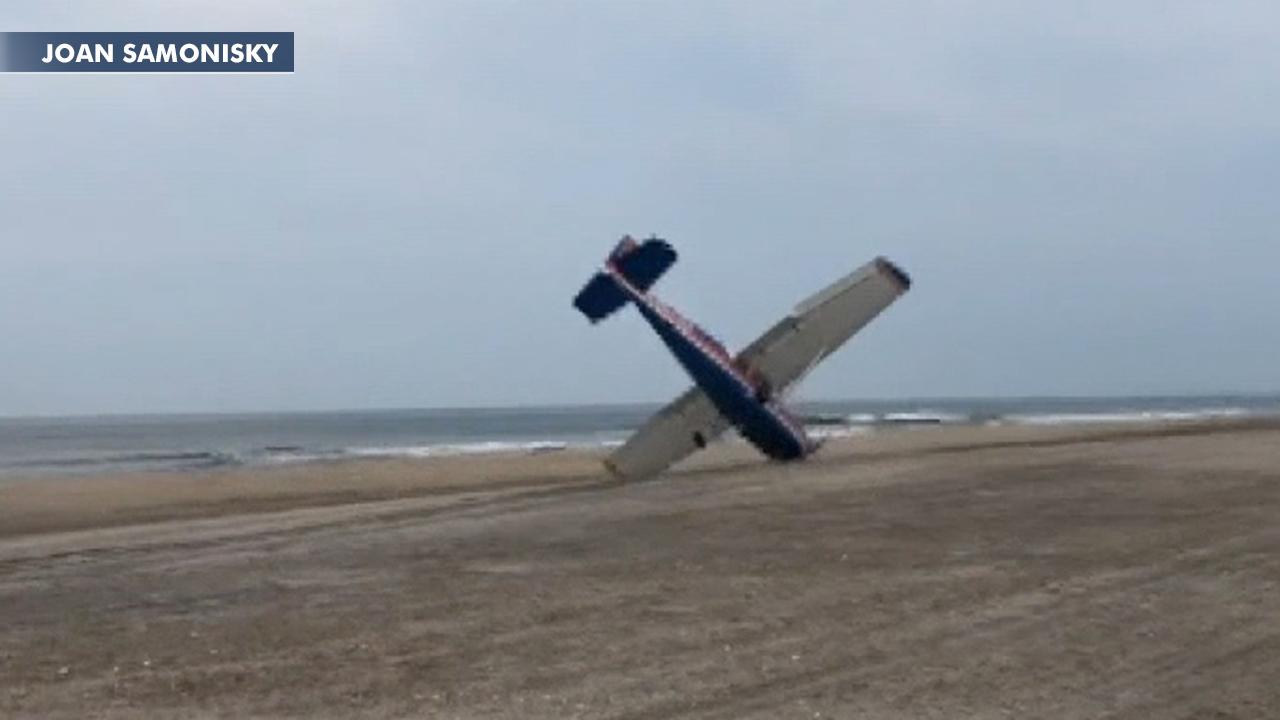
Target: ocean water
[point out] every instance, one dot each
(79, 445)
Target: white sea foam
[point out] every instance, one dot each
(827, 432)
(1124, 417)
(65, 446)
(487, 447)
(430, 450)
(923, 417)
(853, 424)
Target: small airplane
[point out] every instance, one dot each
(743, 391)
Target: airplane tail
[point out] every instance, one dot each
(641, 264)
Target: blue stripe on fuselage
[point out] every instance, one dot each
(731, 395)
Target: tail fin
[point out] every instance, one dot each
(600, 298)
(640, 263)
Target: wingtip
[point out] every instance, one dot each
(895, 273)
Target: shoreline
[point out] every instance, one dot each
(53, 504)
(54, 448)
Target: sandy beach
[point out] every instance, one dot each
(1128, 571)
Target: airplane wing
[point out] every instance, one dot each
(814, 330)
(668, 437)
(821, 324)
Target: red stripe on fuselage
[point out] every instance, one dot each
(702, 340)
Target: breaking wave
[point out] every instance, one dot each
(138, 460)
(823, 423)
(86, 446)
(1125, 417)
(472, 448)
(485, 447)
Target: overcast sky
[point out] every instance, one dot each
(1084, 193)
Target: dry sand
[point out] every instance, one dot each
(970, 572)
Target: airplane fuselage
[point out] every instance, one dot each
(746, 404)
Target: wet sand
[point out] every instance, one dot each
(955, 572)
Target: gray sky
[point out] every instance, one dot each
(1084, 193)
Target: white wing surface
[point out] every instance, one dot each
(672, 434)
(820, 325)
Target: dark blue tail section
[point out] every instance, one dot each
(640, 263)
(644, 264)
(600, 298)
